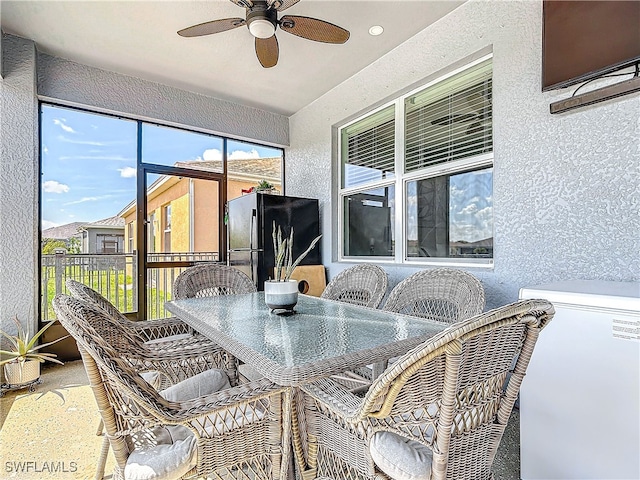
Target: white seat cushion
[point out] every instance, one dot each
(170, 338)
(399, 457)
(162, 462)
(152, 377)
(176, 451)
(204, 383)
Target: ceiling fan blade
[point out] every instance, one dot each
(314, 29)
(215, 26)
(281, 5)
(243, 3)
(267, 51)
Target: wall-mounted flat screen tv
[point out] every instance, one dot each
(582, 40)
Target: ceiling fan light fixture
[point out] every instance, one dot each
(262, 28)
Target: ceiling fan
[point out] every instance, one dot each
(262, 21)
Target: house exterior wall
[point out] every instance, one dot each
(205, 206)
(180, 223)
(205, 213)
(566, 186)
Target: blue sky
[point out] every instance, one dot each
(89, 161)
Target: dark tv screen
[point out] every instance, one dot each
(582, 40)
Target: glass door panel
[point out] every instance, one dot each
(183, 228)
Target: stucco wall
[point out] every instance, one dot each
(18, 190)
(61, 79)
(566, 187)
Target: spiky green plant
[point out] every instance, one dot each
(283, 251)
(264, 185)
(23, 346)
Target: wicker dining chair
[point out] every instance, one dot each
(156, 339)
(211, 279)
(364, 285)
(442, 294)
(438, 413)
(203, 426)
(165, 329)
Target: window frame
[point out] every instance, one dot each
(400, 179)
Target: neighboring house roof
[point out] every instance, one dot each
(63, 232)
(115, 222)
(254, 168)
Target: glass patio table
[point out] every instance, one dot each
(323, 337)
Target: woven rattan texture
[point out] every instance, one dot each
(364, 285)
(242, 432)
(211, 279)
(442, 294)
(454, 393)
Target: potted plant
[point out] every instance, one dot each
(22, 361)
(265, 187)
(281, 293)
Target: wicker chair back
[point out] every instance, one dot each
(442, 294)
(211, 279)
(364, 285)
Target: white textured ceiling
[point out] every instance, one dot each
(139, 38)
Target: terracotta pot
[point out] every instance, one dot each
(19, 373)
(281, 295)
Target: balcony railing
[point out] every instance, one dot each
(113, 276)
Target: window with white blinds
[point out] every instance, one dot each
(450, 120)
(434, 205)
(368, 148)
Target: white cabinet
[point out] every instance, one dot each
(580, 399)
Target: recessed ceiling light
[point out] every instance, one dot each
(376, 30)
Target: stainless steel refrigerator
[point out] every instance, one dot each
(250, 224)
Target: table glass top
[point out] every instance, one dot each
(319, 330)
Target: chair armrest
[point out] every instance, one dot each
(162, 327)
(197, 412)
(336, 398)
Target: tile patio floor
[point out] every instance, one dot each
(50, 434)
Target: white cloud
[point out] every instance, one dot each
(241, 154)
(52, 186)
(49, 224)
(211, 154)
(88, 199)
(469, 209)
(95, 143)
(45, 150)
(61, 122)
(127, 172)
(118, 158)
